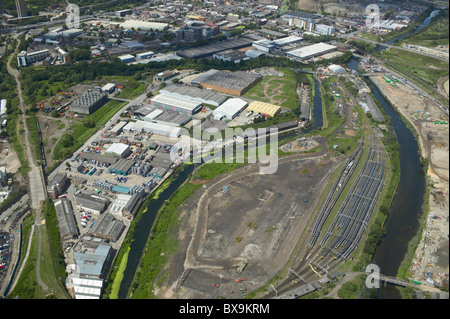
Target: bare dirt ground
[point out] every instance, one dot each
(432, 259)
(248, 232)
(52, 130)
(343, 9)
(8, 158)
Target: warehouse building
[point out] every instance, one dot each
(122, 167)
(126, 58)
(57, 185)
(107, 227)
(90, 102)
(97, 158)
(109, 88)
(145, 55)
(235, 83)
(132, 207)
(195, 94)
(231, 56)
(230, 109)
(167, 117)
(287, 40)
(264, 45)
(91, 203)
(154, 128)
(117, 129)
(144, 25)
(311, 51)
(177, 104)
(264, 109)
(209, 49)
(66, 219)
(118, 150)
(162, 160)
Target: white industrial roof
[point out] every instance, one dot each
(117, 148)
(311, 50)
(154, 114)
(143, 25)
(126, 56)
(230, 108)
(3, 106)
(176, 101)
(287, 40)
(154, 128)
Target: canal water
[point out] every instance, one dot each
(402, 223)
(145, 224)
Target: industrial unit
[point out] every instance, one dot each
(148, 127)
(122, 167)
(66, 219)
(311, 51)
(230, 109)
(107, 227)
(167, 117)
(90, 102)
(126, 58)
(91, 203)
(144, 25)
(177, 104)
(235, 83)
(118, 150)
(145, 55)
(195, 94)
(264, 109)
(231, 56)
(26, 58)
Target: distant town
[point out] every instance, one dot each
(114, 112)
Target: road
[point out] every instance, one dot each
(37, 188)
(351, 36)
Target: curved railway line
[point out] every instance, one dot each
(348, 226)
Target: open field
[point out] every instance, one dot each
(431, 259)
(246, 232)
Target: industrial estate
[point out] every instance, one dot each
(114, 182)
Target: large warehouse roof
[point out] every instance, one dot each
(230, 108)
(264, 108)
(154, 128)
(236, 81)
(311, 50)
(144, 25)
(117, 149)
(196, 94)
(178, 102)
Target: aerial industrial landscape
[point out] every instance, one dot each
(221, 149)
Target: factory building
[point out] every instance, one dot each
(122, 167)
(118, 150)
(66, 219)
(324, 29)
(311, 51)
(264, 109)
(235, 83)
(264, 45)
(109, 88)
(163, 76)
(57, 185)
(230, 109)
(154, 128)
(287, 40)
(195, 94)
(177, 104)
(91, 203)
(26, 58)
(97, 158)
(117, 129)
(336, 68)
(107, 227)
(91, 269)
(90, 102)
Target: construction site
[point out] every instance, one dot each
(431, 261)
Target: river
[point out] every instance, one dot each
(402, 223)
